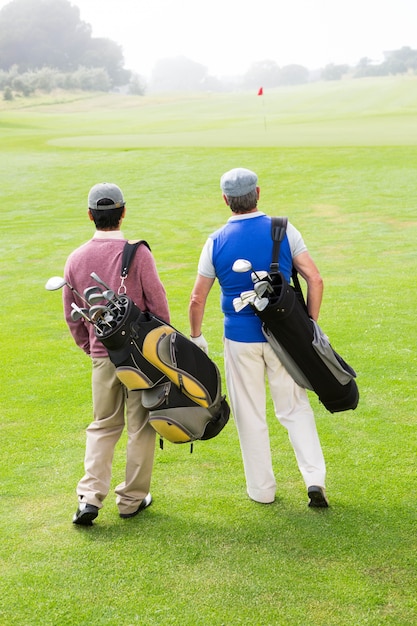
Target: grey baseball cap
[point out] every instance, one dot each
(238, 182)
(105, 191)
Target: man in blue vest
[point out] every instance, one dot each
(248, 356)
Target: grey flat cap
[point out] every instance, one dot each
(105, 191)
(238, 182)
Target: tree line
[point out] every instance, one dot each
(44, 45)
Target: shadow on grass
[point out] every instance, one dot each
(358, 531)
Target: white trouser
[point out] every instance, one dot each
(246, 365)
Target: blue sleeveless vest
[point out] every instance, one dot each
(245, 239)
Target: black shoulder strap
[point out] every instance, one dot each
(278, 230)
(295, 279)
(128, 253)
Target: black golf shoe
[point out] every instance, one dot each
(147, 501)
(85, 514)
(317, 497)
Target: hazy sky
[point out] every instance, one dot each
(227, 36)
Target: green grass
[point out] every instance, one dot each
(339, 159)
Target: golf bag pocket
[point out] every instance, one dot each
(178, 419)
(132, 368)
(134, 379)
(155, 397)
(342, 371)
(184, 363)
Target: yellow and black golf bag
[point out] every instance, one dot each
(181, 385)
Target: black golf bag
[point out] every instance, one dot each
(305, 351)
(299, 342)
(181, 385)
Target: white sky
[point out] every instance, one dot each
(227, 36)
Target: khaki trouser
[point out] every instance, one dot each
(246, 365)
(112, 404)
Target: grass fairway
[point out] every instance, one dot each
(338, 159)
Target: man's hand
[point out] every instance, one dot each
(200, 342)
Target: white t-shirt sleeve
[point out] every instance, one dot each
(297, 245)
(205, 264)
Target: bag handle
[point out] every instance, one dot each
(129, 252)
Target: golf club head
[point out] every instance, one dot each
(89, 291)
(78, 314)
(259, 276)
(248, 295)
(236, 303)
(54, 283)
(79, 311)
(96, 298)
(110, 296)
(101, 315)
(260, 303)
(97, 311)
(261, 287)
(239, 304)
(243, 300)
(241, 265)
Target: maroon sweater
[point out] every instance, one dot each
(104, 256)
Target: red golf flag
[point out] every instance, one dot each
(261, 91)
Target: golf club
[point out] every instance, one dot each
(261, 287)
(56, 282)
(96, 298)
(107, 295)
(89, 291)
(243, 265)
(238, 304)
(243, 300)
(98, 279)
(99, 312)
(260, 276)
(110, 296)
(77, 314)
(260, 303)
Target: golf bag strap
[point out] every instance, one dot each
(297, 288)
(278, 230)
(295, 279)
(128, 253)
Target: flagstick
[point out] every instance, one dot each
(261, 94)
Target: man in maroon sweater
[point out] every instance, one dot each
(103, 255)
